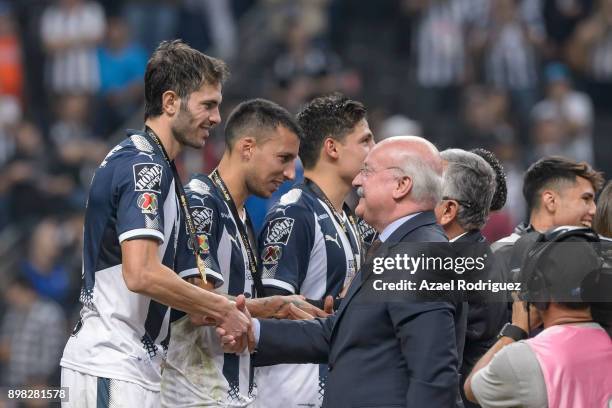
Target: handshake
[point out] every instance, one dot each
(236, 328)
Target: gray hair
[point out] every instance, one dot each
(426, 181)
(470, 180)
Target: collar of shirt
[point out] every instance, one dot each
(390, 229)
(457, 237)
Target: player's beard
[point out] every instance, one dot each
(183, 127)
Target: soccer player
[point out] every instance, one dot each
(132, 221)
(310, 243)
(262, 141)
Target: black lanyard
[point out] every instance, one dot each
(180, 192)
(355, 243)
(216, 178)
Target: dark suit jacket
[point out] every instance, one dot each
(382, 354)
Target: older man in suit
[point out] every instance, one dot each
(381, 353)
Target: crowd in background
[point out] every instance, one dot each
(522, 78)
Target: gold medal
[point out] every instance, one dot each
(201, 268)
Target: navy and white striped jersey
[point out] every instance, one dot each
(197, 372)
(121, 334)
(304, 251)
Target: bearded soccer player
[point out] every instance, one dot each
(133, 216)
(311, 243)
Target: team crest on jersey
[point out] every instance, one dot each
(199, 187)
(147, 177)
(271, 254)
(202, 219)
(279, 231)
(367, 233)
(147, 202)
(202, 244)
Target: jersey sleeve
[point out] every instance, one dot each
(285, 244)
(141, 186)
(206, 218)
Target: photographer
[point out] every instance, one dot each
(547, 370)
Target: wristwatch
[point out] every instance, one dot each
(512, 331)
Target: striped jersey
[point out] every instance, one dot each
(304, 250)
(122, 334)
(197, 372)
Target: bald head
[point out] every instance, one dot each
(417, 158)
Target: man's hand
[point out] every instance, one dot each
(295, 313)
(522, 319)
(328, 306)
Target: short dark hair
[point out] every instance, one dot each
(549, 172)
(176, 66)
(255, 115)
(328, 116)
(501, 189)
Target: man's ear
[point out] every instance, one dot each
(245, 147)
(549, 200)
(171, 103)
(449, 212)
(330, 147)
(402, 188)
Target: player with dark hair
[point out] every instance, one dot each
(134, 212)
(558, 191)
(262, 144)
(311, 244)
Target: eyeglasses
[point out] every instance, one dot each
(367, 171)
(465, 204)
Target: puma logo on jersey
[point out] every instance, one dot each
(332, 239)
(281, 210)
(149, 155)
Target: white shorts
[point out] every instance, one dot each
(88, 391)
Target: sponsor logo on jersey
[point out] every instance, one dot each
(367, 233)
(279, 231)
(147, 177)
(202, 219)
(147, 202)
(271, 254)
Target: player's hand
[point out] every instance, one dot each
(232, 343)
(236, 321)
(328, 306)
(202, 320)
(295, 313)
(298, 301)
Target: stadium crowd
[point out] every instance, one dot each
(524, 79)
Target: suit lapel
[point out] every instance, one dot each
(364, 273)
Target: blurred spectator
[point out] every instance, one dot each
(485, 117)
(71, 30)
(26, 182)
(32, 336)
(43, 267)
(218, 20)
(509, 41)
(303, 69)
(152, 21)
(122, 66)
(602, 223)
(561, 18)
(398, 125)
(441, 52)
(590, 52)
(11, 68)
(572, 110)
(78, 152)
